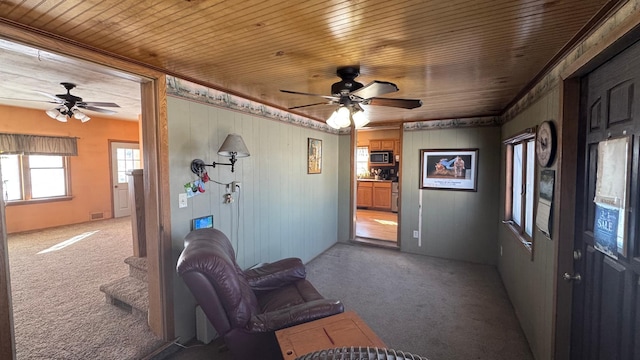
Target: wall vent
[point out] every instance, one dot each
(97, 216)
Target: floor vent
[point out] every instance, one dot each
(97, 216)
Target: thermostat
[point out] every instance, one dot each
(202, 222)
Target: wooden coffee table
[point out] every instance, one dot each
(346, 329)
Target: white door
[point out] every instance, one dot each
(124, 157)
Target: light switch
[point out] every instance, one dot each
(182, 200)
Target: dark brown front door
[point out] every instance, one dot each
(605, 316)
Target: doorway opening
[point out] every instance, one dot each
(377, 191)
(91, 201)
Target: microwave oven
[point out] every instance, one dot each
(381, 157)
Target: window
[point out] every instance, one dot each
(34, 177)
(520, 166)
(362, 161)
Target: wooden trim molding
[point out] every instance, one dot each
(7, 343)
(155, 135)
(564, 213)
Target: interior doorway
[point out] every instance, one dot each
(377, 191)
(13, 299)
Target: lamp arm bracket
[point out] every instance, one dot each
(198, 165)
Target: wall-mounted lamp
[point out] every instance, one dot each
(233, 147)
(343, 116)
(61, 113)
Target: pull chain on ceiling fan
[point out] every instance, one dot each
(349, 94)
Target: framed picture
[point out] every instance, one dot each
(454, 169)
(314, 156)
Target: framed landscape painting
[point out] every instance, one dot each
(449, 169)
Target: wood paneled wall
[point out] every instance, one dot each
(280, 210)
(529, 282)
(460, 225)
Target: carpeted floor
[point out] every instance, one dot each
(59, 312)
(435, 308)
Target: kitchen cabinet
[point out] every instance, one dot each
(382, 145)
(382, 195)
(374, 194)
(365, 194)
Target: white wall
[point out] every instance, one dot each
(283, 211)
(459, 225)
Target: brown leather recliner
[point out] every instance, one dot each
(247, 307)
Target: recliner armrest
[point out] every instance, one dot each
(295, 315)
(274, 275)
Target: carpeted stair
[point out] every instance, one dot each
(130, 292)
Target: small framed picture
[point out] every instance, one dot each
(454, 169)
(314, 156)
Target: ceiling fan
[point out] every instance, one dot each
(349, 94)
(69, 105)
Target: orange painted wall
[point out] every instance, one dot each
(90, 170)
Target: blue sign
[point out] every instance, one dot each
(605, 230)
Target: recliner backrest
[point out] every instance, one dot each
(209, 252)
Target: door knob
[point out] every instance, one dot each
(568, 277)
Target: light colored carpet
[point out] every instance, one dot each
(436, 308)
(58, 310)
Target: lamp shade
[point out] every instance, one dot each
(332, 120)
(359, 119)
(233, 144)
(52, 113)
(343, 118)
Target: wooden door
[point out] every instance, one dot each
(606, 301)
(124, 158)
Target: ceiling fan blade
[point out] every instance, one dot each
(44, 101)
(375, 88)
(399, 103)
(303, 106)
(103, 104)
(301, 93)
(53, 97)
(97, 109)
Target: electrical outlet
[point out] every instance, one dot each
(235, 186)
(415, 234)
(182, 200)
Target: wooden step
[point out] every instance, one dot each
(128, 293)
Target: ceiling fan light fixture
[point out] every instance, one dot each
(343, 117)
(61, 117)
(331, 121)
(52, 113)
(359, 119)
(81, 116)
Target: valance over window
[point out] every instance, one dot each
(38, 145)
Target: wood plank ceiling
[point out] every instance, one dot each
(462, 58)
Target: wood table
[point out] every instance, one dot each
(346, 329)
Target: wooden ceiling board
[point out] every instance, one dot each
(461, 57)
